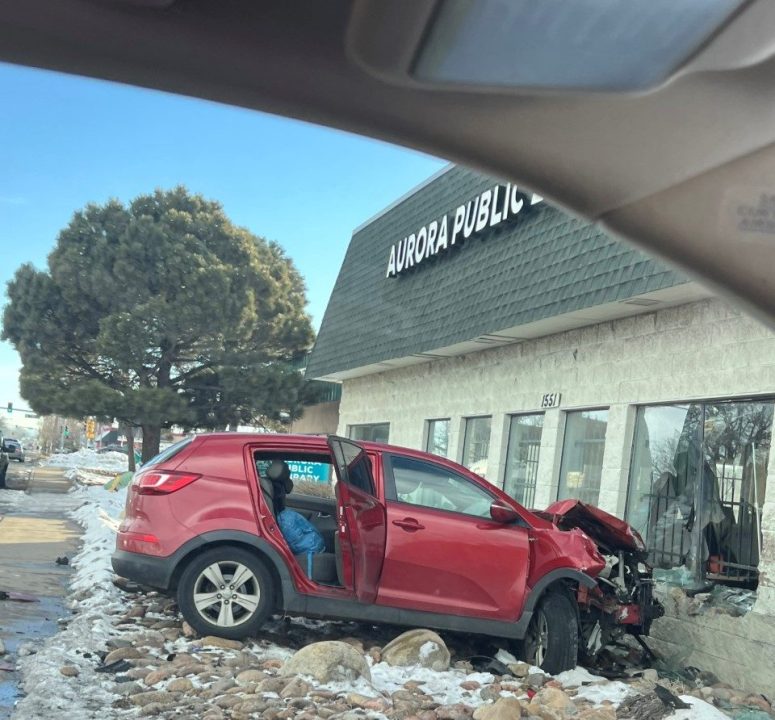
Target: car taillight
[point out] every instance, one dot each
(162, 483)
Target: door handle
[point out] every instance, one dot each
(409, 524)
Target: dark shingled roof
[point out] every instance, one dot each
(543, 265)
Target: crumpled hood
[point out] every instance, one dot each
(608, 531)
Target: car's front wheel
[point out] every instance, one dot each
(226, 591)
(552, 638)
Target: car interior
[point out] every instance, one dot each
(275, 478)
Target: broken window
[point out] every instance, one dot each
(697, 486)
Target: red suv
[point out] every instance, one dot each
(411, 539)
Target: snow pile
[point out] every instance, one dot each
(89, 467)
(95, 601)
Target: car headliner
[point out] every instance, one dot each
(668, 169)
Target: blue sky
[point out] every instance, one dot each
(66, 141)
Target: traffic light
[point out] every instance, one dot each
(10, 408)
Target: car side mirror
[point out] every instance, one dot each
(502, 513)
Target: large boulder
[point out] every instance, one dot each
(328, 660)
(417, 647)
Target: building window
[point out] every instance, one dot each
(696, 488)
(438, 437)
(582, 455)
(476, 444)
(376, 432)
(522, 454)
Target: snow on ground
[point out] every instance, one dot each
(444, 687)
(578, 676)
(612, 691)
(699, 710)
(94, 600)
(87, 466)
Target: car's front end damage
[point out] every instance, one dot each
(623, 600)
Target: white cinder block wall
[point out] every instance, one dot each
(702, 350)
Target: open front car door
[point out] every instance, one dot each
(361, 519)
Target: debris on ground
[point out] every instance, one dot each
(64, 560)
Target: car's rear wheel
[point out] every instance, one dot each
(226, 591)
(552, 638)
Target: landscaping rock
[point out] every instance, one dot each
(417, 647)
(122, 653)
(519, 669)
(544, 712)
(219, 642)
(251, 705)
(556, 699)
(251, 675)
(366, 702)
(227, 701)
(504, 709)
(127, 688)
(180, 685)
(162, 697)
(138, 673)
(328, 660)
(295, 688)
(221, 686)
(536, 680)
(157, 676)
(272, 684)
(458, 711)
(69, 671)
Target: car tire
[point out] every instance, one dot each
(552, 639)
(212, 606)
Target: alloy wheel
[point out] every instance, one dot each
(226, 593)
(537, 640)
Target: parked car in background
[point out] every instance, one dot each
(15, 449)
(3, 461)
(410, 538)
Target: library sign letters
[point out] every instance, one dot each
(487, 210)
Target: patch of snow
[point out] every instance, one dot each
(443, 687)
(699, 710)
(95, 602)
(577, 676)
(427, 649)
(614, 692)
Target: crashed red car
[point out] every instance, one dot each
(411, 539)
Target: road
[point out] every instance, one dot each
(34, 531)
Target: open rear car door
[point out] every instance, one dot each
(361, 519)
